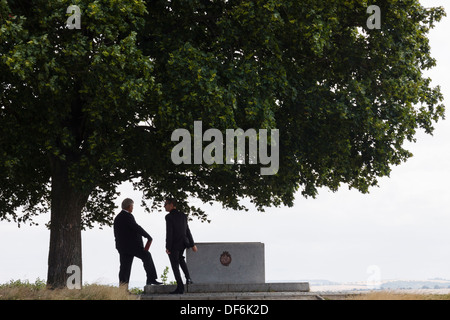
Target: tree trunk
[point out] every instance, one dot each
(65, 227)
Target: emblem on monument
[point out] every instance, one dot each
(225, 258)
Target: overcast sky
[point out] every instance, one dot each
(402, 228)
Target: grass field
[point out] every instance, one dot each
(24, 290)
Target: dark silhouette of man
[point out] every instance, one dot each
(128, 235)
(178, 238)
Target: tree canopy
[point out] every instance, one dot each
(83, 110)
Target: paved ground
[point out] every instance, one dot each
(248, 296)
(248, 291)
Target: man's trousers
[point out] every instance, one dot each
(126, 261)
(176, 261)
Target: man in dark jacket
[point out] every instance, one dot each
(128, 236)
(178, 238)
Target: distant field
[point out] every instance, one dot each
(389, 295)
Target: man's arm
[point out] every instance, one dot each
(137, 228)
(169, 234)
(190, 238)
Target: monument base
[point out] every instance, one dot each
(229, 267)
(237, 287)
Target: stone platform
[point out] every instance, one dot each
(250, 296)
(252, 291)
(232, 288)
(229, 270)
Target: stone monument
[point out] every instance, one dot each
(227, 262)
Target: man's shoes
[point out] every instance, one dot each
(154, 282)
(189, 281)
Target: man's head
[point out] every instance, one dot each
(170, 204)
(127, 204)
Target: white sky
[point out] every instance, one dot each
(402, 227)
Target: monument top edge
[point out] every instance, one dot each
(230, 242)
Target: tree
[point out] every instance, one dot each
(83, 110)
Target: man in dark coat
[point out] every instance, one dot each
(178, 238)
(128, 235)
